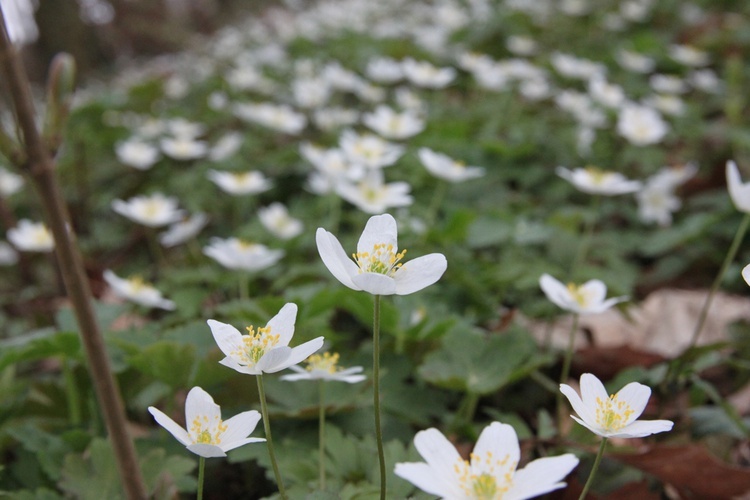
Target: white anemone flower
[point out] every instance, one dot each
(657, 202)
(372, 195)
(613, 415)
(265, 349)
(183, 147)
(377, 266)
(226, 147)
(739, 191)
(424, 74)
(208, 435)
(281, 118)
(588, 298)
(393, 125)
(183, 230)
(136, 290)
(29, 236)
(641, 125)
(239, 255)
(325, 367)
(155, 210)
(10, 183)
(592, 180)
(369, 150)
(746, 274)
(275, 217)
(446, 168)
(240, 183)
(137, 153)
(492, 471)
(384, 70)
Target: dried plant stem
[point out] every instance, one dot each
(40, 168)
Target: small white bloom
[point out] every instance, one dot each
(589, 298)
(281, 118)
(372, 195)
(521, 45)
(30, 236)
(240, 183)
(592, 180)
(325, 367)
(492, 472)
(208, 435)
(311, 92)
(393, 125)
(136, 290)
(137, 153)
(424, 74)
(605, 93)
(446, 168)
(10, 183)
(635, 62)
(226, 147)
(576, 67)
(275, 217)
(384, 70)
(369, 150)
(180, 127)
(738, 191)
(688, 55)
(265, 349)
(705, 80)
(667, 84)
(153, 211)
(657, 202)
(335, 117)
(377, 268)
(236, 254)
(183, 148)
(666, 103)
(183, 230)
(641, 125)
(615, 415)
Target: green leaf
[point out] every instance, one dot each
(92, 476)
(167, 361)
(39, 345)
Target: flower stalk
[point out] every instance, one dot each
(201, 476)
(322, 435)
(376, 391)
(594, 468)
(269, 439)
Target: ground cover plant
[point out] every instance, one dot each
(388, 249)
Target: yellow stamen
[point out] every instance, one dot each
(255, 344)
(612, 414)
(327, 362)
(207, 431)
(382, 260)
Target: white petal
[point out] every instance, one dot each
(636, 396)
(641, 428)
(283, 323)
(420, 273)
(594, 290)
(592, 427)
(207, 450)
(200, 404)
(578, 405)
(737, 190)
(501, 441)
(242, 442)
(423, 477)
(441, 456)
(234, 365)
(227, 337)
(272, 359)
(298, 354)
(335, 259)
(592, 390)
(380, 229)
(239, 427)
(170, 425)
(541, 476)
(556, 292)
(746, 274)
(374, 283)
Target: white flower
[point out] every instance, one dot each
(240, 183)
(377, 268)
(372, 195)
(183, 147)
(281, 118)
(225, 147)
(615, 415)
(667, 84)
(153, 211)
(594, 181)
(325, 367)
(384, 70)
(10, 183)
(738, 191)
(705, 80)
(605, 93)
(424, 74)
(657, 202)
(335, 117)
(392, 125)
(635, 62)
(492, 472)
(183, 230)
(137, 153)
(521, 45)
(30, 236)
(447, 168)
(369, 150)
(275, 217)
(311, 92)
(265, 350)
(641, 125)
(208, 435)
(688, 55)
(746, 274)
(588, 298)
(236, 254)
(138, 291)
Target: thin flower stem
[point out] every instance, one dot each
(739, 235)
(322, 435)
(269, 439)
(566, 367)
(588, 234)
(593, 469)
(376, 390)
(201, 471)
(243, 286)
(71, 393)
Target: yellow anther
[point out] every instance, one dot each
(612, 414)
(327, 362)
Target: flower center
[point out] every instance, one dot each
(598, 176)
(612, 414)
(382, 260)
(255, 344)
(137, 284)
(327, 362)
(42, 236)
(578, 294)
(485, 485)
(207, 431)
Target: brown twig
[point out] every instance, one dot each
(40, 168)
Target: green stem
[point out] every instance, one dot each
(376, 390)
(593, 469)
(334, 212)
(201, 471)
(566, 366)
(71, 393)
(269, 439)
(322, 435)
(739, 235)
(244, 285)
(588, 234)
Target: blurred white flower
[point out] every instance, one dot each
(335, 117)
(592, 180)
(688, 55)
(275, 217)
(245, 77)
(369, 150)
(666, 103)
(446, 168)
(29, 236)
(311, 92)
(576, 67)
(605, 93)
(372, 195)
(393, 125)
(183, 230)
(384, 70)
(641, 125)
(240, 183)
(183, 147)
(155, 210)
(181, 127)
(239, 255)
(281, 118)
(667, 84)
(705, 80)
(136, 290)
(208, 435)
(521, 45)
(635, 62)
(325, 367)
(739, 191)
(588, 298)
(657, 200)
(424, 74)
(225, 147)
(137, 153)
(10, 183)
